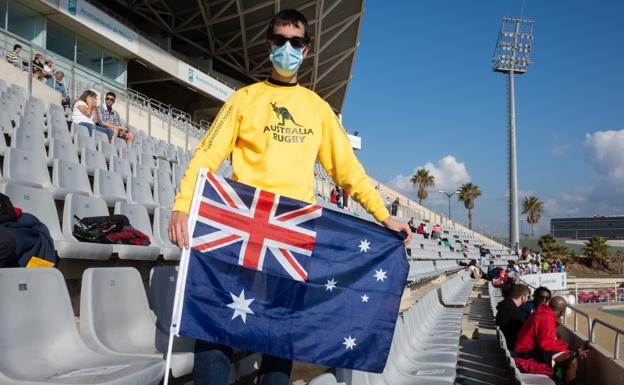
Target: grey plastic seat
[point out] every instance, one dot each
(139, 192)
(83, 206)
(168, 250)
(148, 160)
(69, 178)
(108, 186)
(59, 149)
(121, 167)
(144, 172)
(99, 136)
(137, 215)
(115, 318)
(79, 129)
(164, 165)
(26, 168)
(84, 141)
(29, 139)
(128, 155)
(92, 160)
(108, 150)
(324, 379)
(36, 354)
(118, 143)
(61, 133)
(164, 193)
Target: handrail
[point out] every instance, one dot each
(576, 312)
(618, 333)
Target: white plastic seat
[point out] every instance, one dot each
(143, 171)
(79, 129)
(29, 139)
(108, 150)
(59, 149)
(83, 206)
(108, 186)
(137, 215)
(33, 353)
(128, 155)
(84, 141)
(148, 160)
(168, 250)
(99, 136)
(178, 172)
(164, 165)
(121, 167)
(26, 168)
(324, 379)
(61, 133)
(69, 178)
(164, 193)
(115, 318)
(92, 160)
(139, 192)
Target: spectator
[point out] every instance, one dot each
(465, 251)
(109, 118)
(512, 269)
(84, 112)
(59, 86)
(48, 68)
(510, 316)
(426, 230)
(14, 57)
(475, 272)
(412, 225)
(538, 350)
(435, 232)
(395, 207)
(36, 63)
(541, 295)
(545, 266)
(490, 267)
(38, 74)
(524, 254)
(560, 266)
(420, 229)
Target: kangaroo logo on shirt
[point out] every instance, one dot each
(284, 114)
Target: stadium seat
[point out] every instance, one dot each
(115, 318)
(108, 150)
(79, 129)
(178, 173)
(59, 149)
(83, 206)
(147, 160)
(109, 187)
(26, 168)
(456, 291)
(84, 141)
(69, 178)
(139, 192)
(168, 250)
(164, 165)
(92, 160)
(143, 171)
(29, 139)
(99, 136)
(61, 133)
(164, 193)
(128, 155)
(118, 143)
(137, 215)
(40, 342)
(324, 379)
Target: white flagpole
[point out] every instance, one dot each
(168, 361)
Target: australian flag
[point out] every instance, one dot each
(275, 275)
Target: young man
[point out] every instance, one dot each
(275, 130)
(14, 57)
(510, 317)
(109, 118)
(541, 295)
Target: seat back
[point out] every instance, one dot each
(26, 168)
(60, 132)
(64, 150)
(142, 171)
(107, 149)
(120, 166)
(139, 191)
(128, 154)
(99, 136)
(79, 129)
(161, 294)
(92, 159)
(108, 184)
(37, 202)
(84, 141)
(164, 193)
(70, 176)
(147, 160)
(163, 165)
(161, 221)
(137, 215)
(81, 206)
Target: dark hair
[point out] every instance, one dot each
(16, 46)
(111, 93)
(540, 290)
(518, 290)
(289, 17)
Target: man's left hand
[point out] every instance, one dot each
(395, 225)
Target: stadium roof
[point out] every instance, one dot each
(233, 34)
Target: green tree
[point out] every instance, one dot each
(533, 208)
(546, 242)
(468, 193)
(550, 248)
(597, 250)
(422, 180)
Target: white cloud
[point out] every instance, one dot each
(604, 151)
(449, 174)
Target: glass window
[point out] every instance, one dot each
(114, 67)
(3, 8)
(89, 55)
(26, 23)
(60, 40)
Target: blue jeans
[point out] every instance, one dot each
(92, 126)
(212, 366)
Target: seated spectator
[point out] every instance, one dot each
(538, 350)
(84, 112)
(524, 254)
(38, 74)
(48, 68)
(36, 63)
(545, 266)
(510, 317)
(395, 207)
(412, 225)
(490, 267)
(541, 295)
(436, 231)
(560, 266)
(14, 57)
(512, 269)
(109, 118)
(475, 272)
(426, 230)
(447, 243)
(420, 229)
(59, 86)
(465, 250)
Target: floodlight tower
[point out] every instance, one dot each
(511, 57)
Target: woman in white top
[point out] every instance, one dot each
(85, 113)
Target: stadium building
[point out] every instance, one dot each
(586, 228)
(172, 65)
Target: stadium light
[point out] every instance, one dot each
(512, 56)
(449, 195)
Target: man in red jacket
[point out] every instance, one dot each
(538, 350)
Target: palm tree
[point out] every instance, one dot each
(468, 193)
(533, 208)
(423, 179)
(598, 251)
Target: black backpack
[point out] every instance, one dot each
(95, 229)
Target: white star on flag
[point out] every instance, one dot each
(365, 298)
(241, 306)
(349, 343)
(380, 275)
(330, 285)
(364, 246)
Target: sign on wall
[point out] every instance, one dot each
(203, 82)
(553, 281)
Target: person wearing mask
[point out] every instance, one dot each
(110, 119)
(510, 317)
(275, 161)
(541, 295)
(85, 113)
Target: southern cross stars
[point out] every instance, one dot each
(364, 246)
(330, 285)
(349, 343)
(380, 275)
(241, 306)
(365, 298)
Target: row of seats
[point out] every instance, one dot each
(421, 270)
(456, 291)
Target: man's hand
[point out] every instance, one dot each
(582, 353)
(395, 225)
(178, 229)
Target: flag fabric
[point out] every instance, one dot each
(274, 275)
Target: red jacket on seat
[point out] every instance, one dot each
(539, 332)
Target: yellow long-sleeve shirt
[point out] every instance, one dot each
(275, 133)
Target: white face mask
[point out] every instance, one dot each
(286, 59)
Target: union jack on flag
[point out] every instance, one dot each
(268, 273)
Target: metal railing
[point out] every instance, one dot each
(576, 312)
(618, 334)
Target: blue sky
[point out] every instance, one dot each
(423, 89)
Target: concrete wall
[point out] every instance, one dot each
(11, 74)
